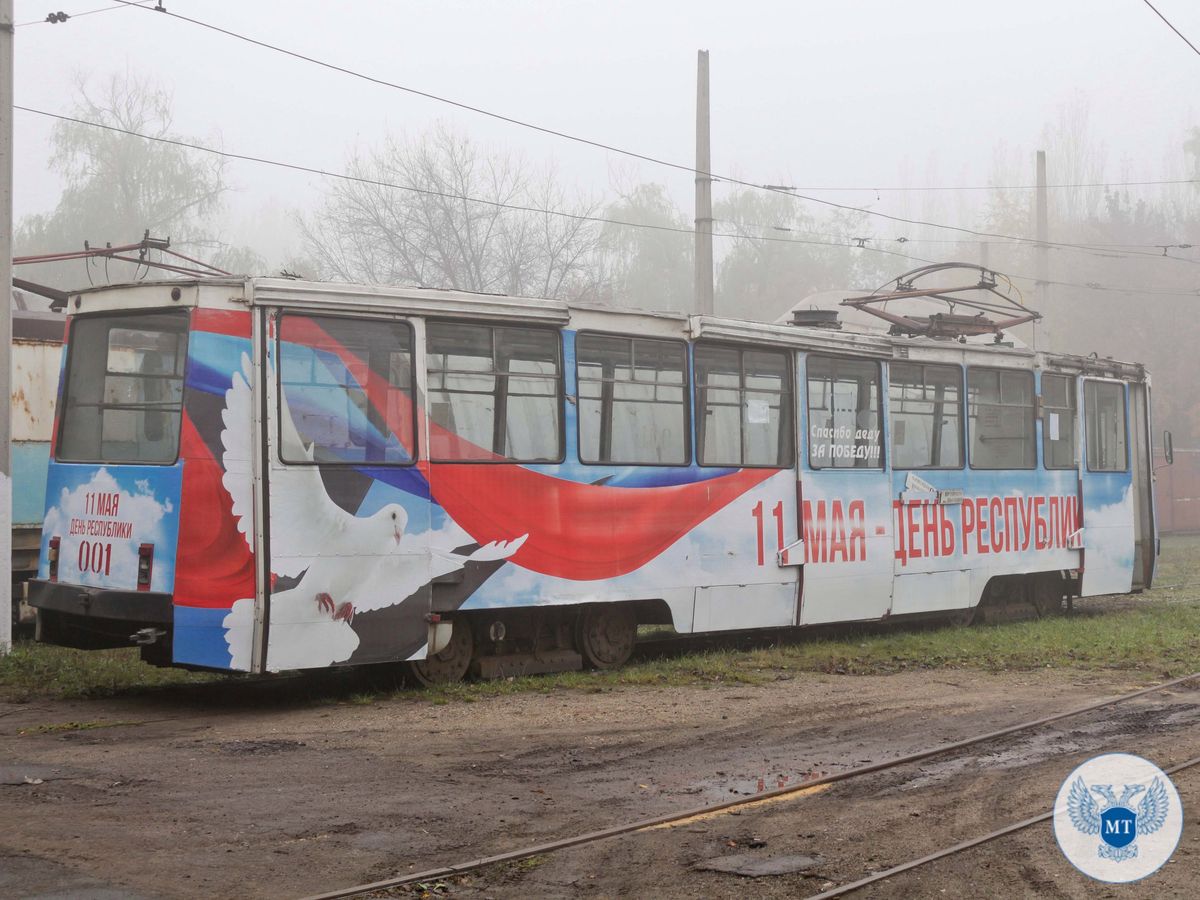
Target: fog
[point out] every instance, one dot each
(867, 94)
(848, 102)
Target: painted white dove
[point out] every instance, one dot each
(345, 563)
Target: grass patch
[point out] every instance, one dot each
(1158, 639)
(528, 864)
(1157, 634)
(34, 670)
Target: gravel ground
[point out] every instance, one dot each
(243, 790)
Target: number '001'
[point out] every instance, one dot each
(95, 557)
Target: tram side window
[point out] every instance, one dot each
(494, 393)
(347, 387)
(1001, 419)
(925, 413)
(1104, 418)
(743, 407)
(123, 399)
(632, 394)
(845, 421)
(1058, 421)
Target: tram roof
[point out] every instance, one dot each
(329, 297)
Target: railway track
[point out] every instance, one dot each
(857, 772)
(842, 890)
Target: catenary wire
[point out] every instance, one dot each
(1097, 250)
(50, 20)
(551, 212)
(776, 189)
(344, 176)
(1172, 27)
(816, 188)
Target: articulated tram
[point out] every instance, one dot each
(267, 474)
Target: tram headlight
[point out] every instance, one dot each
(52, 557)
(145, 566)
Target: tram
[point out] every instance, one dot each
(264, 474)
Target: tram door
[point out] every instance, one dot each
(1106, 489)
(845, 490)
(349, 510)
(1142, 466)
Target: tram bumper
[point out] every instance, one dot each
(90, 618)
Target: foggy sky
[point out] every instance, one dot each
(868, 93)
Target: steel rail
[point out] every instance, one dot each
(668, 818)
(958, 848)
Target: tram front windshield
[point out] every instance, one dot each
(123, 396)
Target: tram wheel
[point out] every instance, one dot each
(1046, 595)
(450, 663)
(605, 634)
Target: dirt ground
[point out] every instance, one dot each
(244, 791)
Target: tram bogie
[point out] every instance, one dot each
(267, 475)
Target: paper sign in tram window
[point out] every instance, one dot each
(758, 412)
(1054, 426)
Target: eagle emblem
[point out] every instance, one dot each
(1115, 820)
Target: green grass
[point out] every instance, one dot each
(1156, 634)
(39, 670)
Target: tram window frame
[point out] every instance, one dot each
(280, 329)
(959, 413)
(1090, 388)
(785, 457)
(684, 388)
(493, 457)
(1031, 419)
(126, 319)
(1072, 411)
(879, 466)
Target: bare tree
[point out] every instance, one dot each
(433, 212)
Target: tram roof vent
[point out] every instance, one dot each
(817, 318)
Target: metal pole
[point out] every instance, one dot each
(6, 176)
(704, 220)
(1043, 261)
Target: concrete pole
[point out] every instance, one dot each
(1043, 261)
(704, 220)
(6, 177)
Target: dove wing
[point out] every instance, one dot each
(305, 522)
(238, 448)
(1152, 811)
(1082, 806)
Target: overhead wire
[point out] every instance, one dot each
(776, 189)
(1172, 27)
(1097, 250)
(842, 189)
(345, 176)
(57, 18)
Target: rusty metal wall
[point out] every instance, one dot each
(1177, 492)
(34, 389)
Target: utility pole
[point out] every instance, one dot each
(1043, 262)
(6, 177)
(704, 220)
